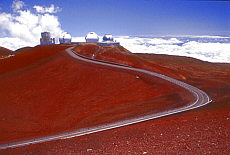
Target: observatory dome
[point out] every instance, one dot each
(65, 35)
(108, 37)
(108, 41)
(91, 37)
(65, 38)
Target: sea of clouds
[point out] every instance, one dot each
(23, 26)
(207, 48)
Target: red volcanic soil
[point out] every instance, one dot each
(5, 52)
(201, 131)
(28, 55)
(119, 54)
(45, 91)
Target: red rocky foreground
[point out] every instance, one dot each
(55, 83)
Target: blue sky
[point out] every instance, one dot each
(138, 17)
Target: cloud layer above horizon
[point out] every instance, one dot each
(23, 26)
(207, 48)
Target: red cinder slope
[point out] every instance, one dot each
(121, 55)
(44, 91)
(25, 56)
(5, 52)
(200, 131)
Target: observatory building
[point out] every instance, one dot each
(46, 39)
(65, 38)
(108, 41)
(91, 37)
(108, 37)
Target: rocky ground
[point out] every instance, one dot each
(201, 131)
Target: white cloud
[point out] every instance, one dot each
(51, 9)
(78, 39)
(197, 36)
(13, 43)
(212, 52)
(17, 5)
(24, 27)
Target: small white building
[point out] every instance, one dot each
(108, 41)
(91, 37)
(46, 39)
(65, 38)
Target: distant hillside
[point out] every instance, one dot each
(119, 54)
(24, 49)
(5, 52)
(28, 55)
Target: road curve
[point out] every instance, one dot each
(201, 100)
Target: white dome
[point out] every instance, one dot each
(65, 38)
(91, 37)
(65, 35)
(108, 37)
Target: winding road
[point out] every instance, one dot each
(201, 100)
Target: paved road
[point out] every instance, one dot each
(201, 100)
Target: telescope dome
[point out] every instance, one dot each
(65, 35)
(65, 38)
(91, 37)
(108, 37)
